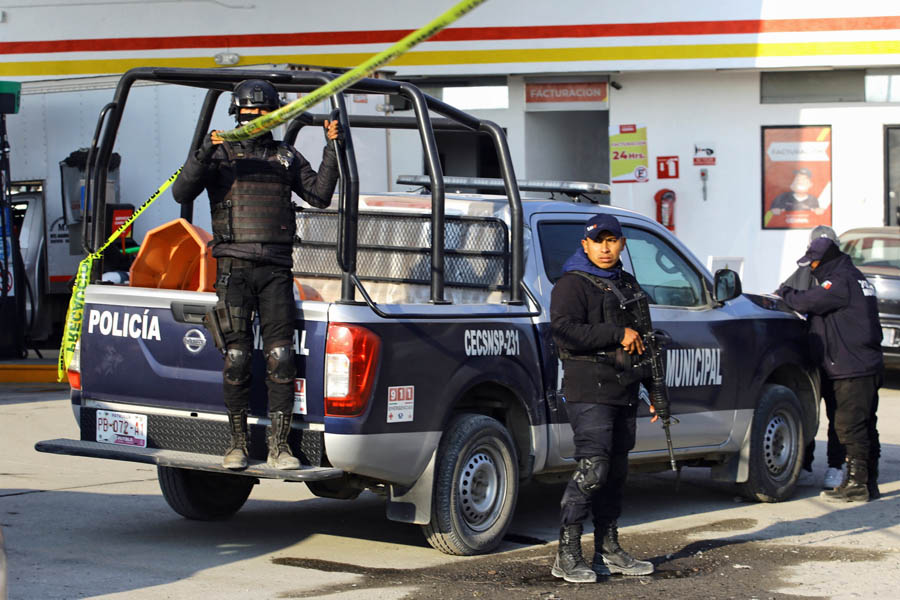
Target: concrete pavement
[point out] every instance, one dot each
(87, 528)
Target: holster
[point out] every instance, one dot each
(213, 322)
(222, 319)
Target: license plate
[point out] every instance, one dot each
(889, 337)
(124, 429)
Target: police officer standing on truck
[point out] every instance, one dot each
(844, 321)
(249, 185)
(593, 312)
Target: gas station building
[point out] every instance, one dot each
(722, 104)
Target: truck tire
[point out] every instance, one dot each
(776, 446)
(204, 496)
(475, 487)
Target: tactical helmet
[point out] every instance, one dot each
(253, 93)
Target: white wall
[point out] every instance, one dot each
(723, 107)
(571, 145)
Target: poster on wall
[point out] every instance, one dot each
(796, 173)
(628, 156)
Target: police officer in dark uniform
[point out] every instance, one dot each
(844, 322)
(593, 311)
(249, 185)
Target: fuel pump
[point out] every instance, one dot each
(665, 208)
(12, 271)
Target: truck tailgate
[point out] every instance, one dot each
(149, 367)
(149, 347)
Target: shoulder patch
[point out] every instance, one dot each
(867, 288)
(826, 284)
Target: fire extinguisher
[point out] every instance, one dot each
(665, 208)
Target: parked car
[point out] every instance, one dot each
(876, 252)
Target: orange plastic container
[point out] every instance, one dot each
(175, 256)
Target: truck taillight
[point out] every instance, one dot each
(73, 372)
(351, 362)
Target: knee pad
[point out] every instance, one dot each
(280, 364)
(237, 366)
(591, 474)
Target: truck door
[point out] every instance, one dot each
(680, 305)
(696, 367)
(555, 236)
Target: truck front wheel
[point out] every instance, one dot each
(776, 446)
(475, 488)
(201, 495)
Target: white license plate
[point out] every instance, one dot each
(889, 337)
(124, 429)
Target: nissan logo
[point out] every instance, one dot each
(194, 340)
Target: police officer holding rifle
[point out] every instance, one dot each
(249, 185)
(600, 324)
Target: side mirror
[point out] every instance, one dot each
(726, 285)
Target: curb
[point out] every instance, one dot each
(25, 373)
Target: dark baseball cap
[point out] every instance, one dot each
(816, 251)
(601, 223)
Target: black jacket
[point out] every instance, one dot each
(844, 324)
(579, 325)
(213, 172)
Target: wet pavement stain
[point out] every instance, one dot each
(686, 568)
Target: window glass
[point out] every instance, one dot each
(559, 241)
(666, 277)
(872, 250)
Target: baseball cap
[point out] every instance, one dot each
(816, 251)
(600, 223)
(823, 231)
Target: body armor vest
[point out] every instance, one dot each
(258, 207)
(624, 304)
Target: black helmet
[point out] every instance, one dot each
(254, 93)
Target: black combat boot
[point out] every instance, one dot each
(610, 557)
(280, 456)
(872, 483)
(236, 453)
(570, 564)
(855, 487)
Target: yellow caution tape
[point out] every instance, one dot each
(75, 313)
(286, 113)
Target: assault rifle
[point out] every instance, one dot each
(659, 393)
(649, 367)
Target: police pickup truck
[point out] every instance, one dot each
(425, 367)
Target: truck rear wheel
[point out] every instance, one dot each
(776, 446)
(475, 488)
(201, 495)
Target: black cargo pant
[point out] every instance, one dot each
(836, 452)
(607, 431)
(856, 419)
(268, 290)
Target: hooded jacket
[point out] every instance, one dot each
(844, 327)
(579, 325)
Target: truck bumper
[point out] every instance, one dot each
(182, 460)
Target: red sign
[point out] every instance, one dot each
(628, 128)
(585, 91)
(667, 167)
(119, 217)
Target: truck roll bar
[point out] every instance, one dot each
(217, 81)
